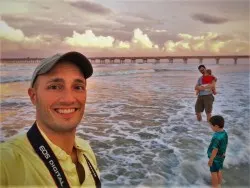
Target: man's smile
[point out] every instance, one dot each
(66, 113)
(65, 110)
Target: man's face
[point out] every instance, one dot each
(202, 70)
(59, 97)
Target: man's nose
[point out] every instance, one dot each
(67, 97)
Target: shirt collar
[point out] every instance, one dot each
(59, 153)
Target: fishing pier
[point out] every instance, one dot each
(143, 59)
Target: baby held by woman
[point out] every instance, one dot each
(207, 79)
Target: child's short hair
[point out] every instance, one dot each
(209, 71)
(217, 120)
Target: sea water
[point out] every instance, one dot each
(141, 124)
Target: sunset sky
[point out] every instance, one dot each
(40, 28)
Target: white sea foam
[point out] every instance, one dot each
(141, 124)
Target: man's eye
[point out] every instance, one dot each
(80, 88)
(54, 87)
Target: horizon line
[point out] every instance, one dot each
(140, 57)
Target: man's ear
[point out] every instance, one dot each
(32, 94)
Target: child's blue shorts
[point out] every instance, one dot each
(216, 166)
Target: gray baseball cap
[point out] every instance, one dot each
(75, 57)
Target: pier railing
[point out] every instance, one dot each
(145, 59)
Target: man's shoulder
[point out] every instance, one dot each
(13, 146)
(14, 140)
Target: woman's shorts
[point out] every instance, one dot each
(204, 102)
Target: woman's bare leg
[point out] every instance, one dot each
(209, 116)
(198, 115)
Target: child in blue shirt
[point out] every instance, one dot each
(217, 149)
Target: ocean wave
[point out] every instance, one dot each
(9, 103)
(14, 79)
(7, 75)
(137, 71)
(124, 72)
(173, 70)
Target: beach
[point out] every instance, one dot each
(141, 123)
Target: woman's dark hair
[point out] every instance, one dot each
(217, 120)
(201, 66)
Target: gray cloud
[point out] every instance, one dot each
(161, 38)
(33, 26)
(121, 28)
(223, 38)
(48, 21)
(45, 7)
(208, 19)
(118, 34)
(91, 7)
(133, 21)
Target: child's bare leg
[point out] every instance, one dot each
(219, 178)
(214, 176)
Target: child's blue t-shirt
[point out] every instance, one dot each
(219, 140)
